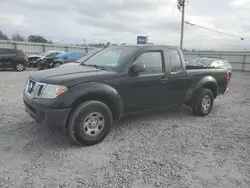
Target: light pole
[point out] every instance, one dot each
(181, 6)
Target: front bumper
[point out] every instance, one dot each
(43, 113)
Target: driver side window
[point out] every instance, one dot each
(152, 62)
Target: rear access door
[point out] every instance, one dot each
(176, 76)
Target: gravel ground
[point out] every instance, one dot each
(169, 148)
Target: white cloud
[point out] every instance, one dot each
(120, 21)
(13, 20)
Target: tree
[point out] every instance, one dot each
(3, 36)
(17, 37)
(37, 38)
(108, 45)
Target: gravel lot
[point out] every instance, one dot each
(169, 148)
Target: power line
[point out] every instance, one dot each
(195, 25)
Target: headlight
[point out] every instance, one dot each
(52, 91)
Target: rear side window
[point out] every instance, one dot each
(174, 60)
(9, 51)
(20, 53)
(1, 51)
(152, 61)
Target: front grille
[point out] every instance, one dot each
(34, 88)
(31, 85)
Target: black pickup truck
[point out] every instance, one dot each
(84, 99)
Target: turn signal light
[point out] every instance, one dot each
(61, 90)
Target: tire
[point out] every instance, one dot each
(83, 129)
(20, 67)
(203, 102)
(57, 64)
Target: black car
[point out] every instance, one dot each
(210, 62)
(13, 59)
(85, 99)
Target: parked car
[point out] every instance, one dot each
(210, 62)
(82, 59)
(86, 99)
(66, 57)
(13, 59)
(35, 59)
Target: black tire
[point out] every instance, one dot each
(19, 67)
(200, 107)
(57, 64)
(79, 117)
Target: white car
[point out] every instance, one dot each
(33, 59)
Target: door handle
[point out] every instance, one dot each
(164, 79)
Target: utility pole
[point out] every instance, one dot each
(181, 6)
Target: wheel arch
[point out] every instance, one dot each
(98, 92)
(210, 83)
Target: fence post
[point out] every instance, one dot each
(87, 50)
(14, 44)
(244, 61)
(66, 48)
(43, 47)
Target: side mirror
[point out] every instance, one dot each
(137, 68)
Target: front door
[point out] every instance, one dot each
(147, 89)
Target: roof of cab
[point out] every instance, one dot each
(149, 45)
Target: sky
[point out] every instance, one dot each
(120, 21)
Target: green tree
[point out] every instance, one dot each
(37, 38)
(3, 36)
(108, 44)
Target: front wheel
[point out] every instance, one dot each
(203, 102)
(90, 123)
(19, 67)
(57, 64)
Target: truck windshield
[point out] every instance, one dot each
(111, 57)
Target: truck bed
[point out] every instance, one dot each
(197, 75)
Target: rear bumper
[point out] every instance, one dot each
(56, 118)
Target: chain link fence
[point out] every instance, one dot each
(37, 48)
(239, 60)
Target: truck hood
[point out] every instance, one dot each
(71, 75)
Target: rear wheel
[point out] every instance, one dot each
(90, 123)
(203, 102)
(19, 67)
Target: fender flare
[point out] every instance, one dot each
(98, 91)
(208, 82)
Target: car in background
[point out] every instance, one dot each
(57, 61)
(82, 59)
(13, 59)
(207, 62)
(36, 59)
